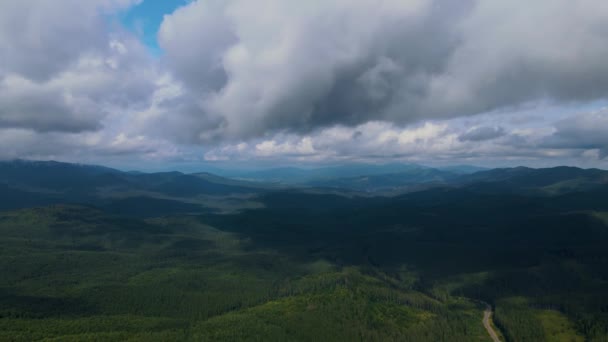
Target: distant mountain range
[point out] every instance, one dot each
(547, 181)
(28, 183)
(316, 176)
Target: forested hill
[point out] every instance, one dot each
(30, 183)
(91, 253)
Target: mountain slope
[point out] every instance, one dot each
(391, 181)
(292, 175)
(75, 180)
(547, 181)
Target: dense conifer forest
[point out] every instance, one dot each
(303, 264)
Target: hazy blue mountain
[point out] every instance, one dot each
(277, 175)
(462, 169)
(237, 182)
(76, 182)
(292, 175)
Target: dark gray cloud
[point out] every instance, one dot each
(586, 131)
(275, 66)
(482, 133)
(194, 42)
(42, 109)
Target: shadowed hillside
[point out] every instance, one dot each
(171, 256)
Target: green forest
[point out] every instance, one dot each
(305, 264)
(77, 273)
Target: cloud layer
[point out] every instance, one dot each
(63, 70)
(307, 81)
(272, 65)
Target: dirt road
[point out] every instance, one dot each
(487, 315)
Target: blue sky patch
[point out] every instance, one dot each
(145, 19)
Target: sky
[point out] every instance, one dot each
(178, 84)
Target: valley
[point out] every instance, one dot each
(169, 257)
